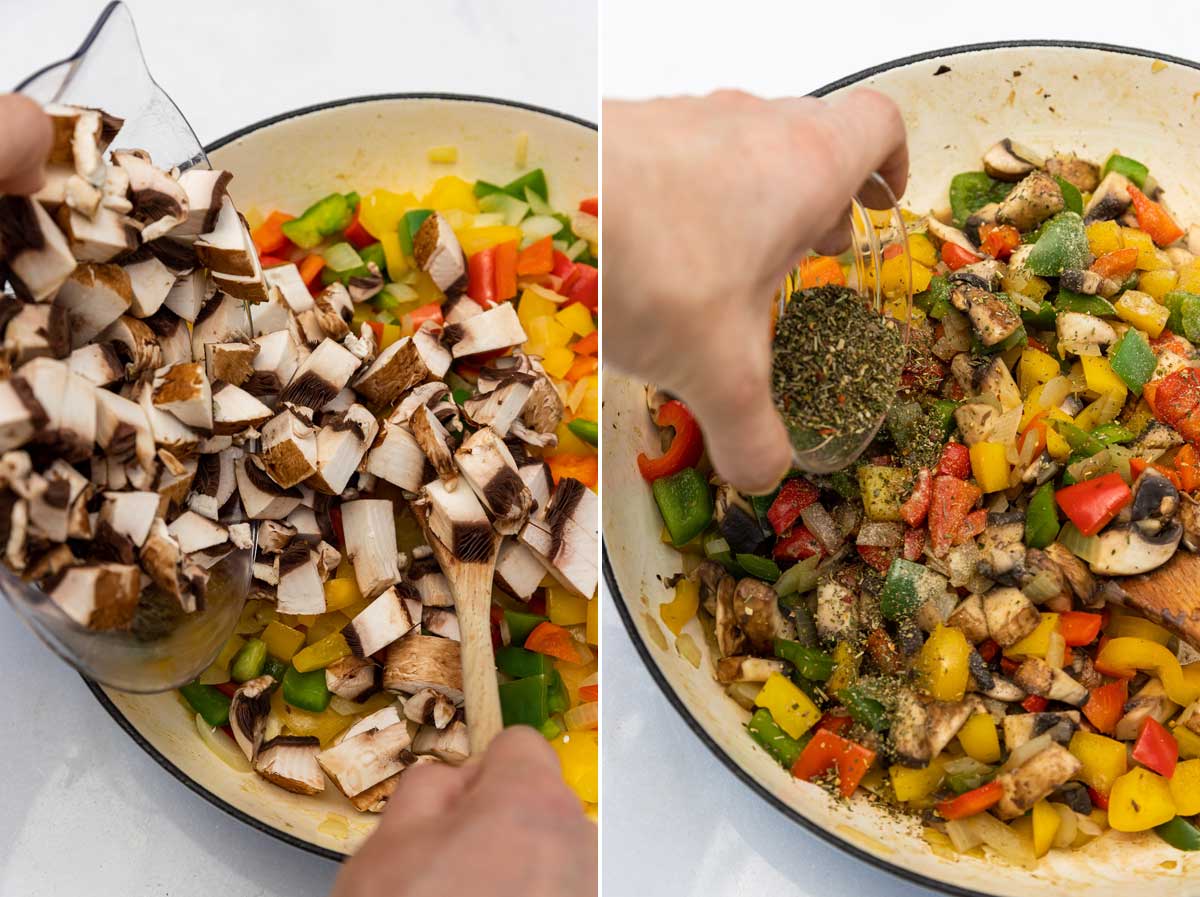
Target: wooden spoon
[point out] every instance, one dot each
(1170, 595)
(471, 586)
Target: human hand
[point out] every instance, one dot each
(25, 138)
(504, 826)
(708, 203)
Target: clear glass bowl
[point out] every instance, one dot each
(873, 225)
(165, 648)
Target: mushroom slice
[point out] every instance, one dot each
(993, 319)
(321, 376)
(355, 764)
(497, 328)
(151, 282)
(397, 458)
(378, 624)
(437, 252)
(98, 239)
(205, 189)
(970, 619)
(163, 562)
(174, 339)
(837, 610)
(458, 520)
(334, 310)
(1002, 545)
(380, 719)
(67, 401)
(98, 596)
(1110, 200)
(370, 531)
(1035, 779)
(363, 345)
(232, 363)
(540, 481)
(566, 538)
(222, 319)
(184, 391)
(169, 431)
(159, 201)
(401, 366)
(235, 410)
(518, 570)
(226, 248)
(1128, 549)
(188, 294)
(948, 234)
(131, 514)
(502, 406)
(35, 331)
(273, 364)
(1010, 615)
(290, 761)
(1037, 677)
(434, 441)
(123, 431)
(274, 536)
(449, 744)
(417, 661)
(53, 508)
(1036, 198)
(365, 286)
(756, 610)
(441, 622)
(271, 316)
(352, 678)
(489, 469)
(301, 590)
(35, 250)
(1008, 161)
(1083, 334)
(286, 283)
(431, 585)
(1081, 174)
(425, 394)
(459, 307)
(195, 532)
(263, 498)
(248, 713)
(1151, 701)
(214, 483)
(94, 295)
(429, 708)
(174, 477)
(135, 344)
(289, 446)
(342, 442)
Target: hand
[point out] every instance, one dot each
(505, 826)
(25, 138)
(708, 202)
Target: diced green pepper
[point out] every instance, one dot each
(249, 661)
(521, 624)
(1044, 318)
(900, 596)
(758, 567)
(306, 690)
(1062, 245)
(1179, 833)
(779, 744)
(460, 396)
(935, 300)
(1072, 198)
(587, 430)
(323, 218)
(409, 225)
(211, 704)
(374, 253)
(1185, 313)
(685, 502)
(811, 663)
(806, 626)
(1085, 304)
(971, 191)
(1113, 434)
(535, 180)
(1131, 168)
(864, 708)
(519, 663)
(845, 483)
(487, 188)
(525, 702)
(962, 782)
(1041, 517)
(1081, 441)
(556, 698)
(941, 412)
(352, 199)
(761, 504)
(550, 729)
(275, 668)
(1133, 360)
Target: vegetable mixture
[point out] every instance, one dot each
(942, 626)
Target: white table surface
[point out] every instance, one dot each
(82, 810)
(676, 821)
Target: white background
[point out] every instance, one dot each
(82, 809)
(676, 821)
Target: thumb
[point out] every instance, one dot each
(25, 139)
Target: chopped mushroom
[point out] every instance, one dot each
(1037, 677)
(1110, 200)
(566, 537)
(401, 366)
(518, 570)
(992, 318)
(449, 744)
(380, 623)
(34, 249)
(1009, 161)
(290, 761)
(1010, 615)
(458, 520)
(321, 376)
(1150, 702)
(837, 610)
(748, 669)
(342, 442)
(289, 446)
(352, 678)
(263, 498)
(1034, 199)
(301, 590)
(417, 661)
(429, 708)
(1034, 779)
(248, 714)
(98, 596)
(94, 296)
(489, 469)
(497, 328)
(366, 759)
(1083, 175)
(370, 533)
(437, 252)
(1022, 727)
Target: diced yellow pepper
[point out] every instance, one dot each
(442, 155)
(579, 755)
(477, 239)
(1099, 375)
(324, 726)
(325, 624)
(427, 290)
(1057, 445)
(533, 305)
(341, 593)
(575, 318)
(1188, 741)
(990, 466)
(1185, 787)
(593, 622)
(943, 663)
(1140, 800)
(1148, 258)
(282, 641)
(788, 705)
(545, 333)
(1134, 626)
(565, 608)
(589, 408)
(1157, 283)
(1037, 642)
(1018, 280)
(682, 608)
(380, 211)
(894, 276)
(451, 192)
(1036, 368)
(569, 443)
(1045, 826)
(1189, 277)
(979, 739)
(1102, 411)
(1141, 310)
(573, 676)
(1104, 237)
(393, 255)
(557, 361)
(922, 250)
(228, 651)
(884, 490)
(321, 654)
(914, 784)
(1102, 759)
(900, 309)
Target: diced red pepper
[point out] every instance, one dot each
(974, 524)
(377, 328)
(999, 241)
(877, 556)
(1153, 218)
(916, 508)
(358, 235)
(686, 446)
(828, 750)
(1106, 705)
(562, 265)
(988, 649)
(229, 689)
(481, 275)
(587, 345)
(310, 267)
(591, 206)
(837, 723)
(1137, 466)
(430, 312)
(536, 258)
(953, 500)
(1175, 400)
(914, 544)
(1079, 628)
(1008, 665)
(956, 257)
(582, 285)
(271, 261)
(1090, 505)
(1117, 264)
(268, 237)
(1188, 467)
(582, 366)
(972, 802)
(892, 251)
(335, 521)
(1034, 704)
(797, 545)
(1156, 748)
(589, 693)
(506, 271)
(1099, 798)
(955, 461)
(794, 496)
(553, 641)
(821, 270)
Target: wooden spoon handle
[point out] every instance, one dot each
(480, 690)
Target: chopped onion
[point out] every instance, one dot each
(488, 219)
(800, 577)
(341, 257)
(222, 745)
(273, 728)
(576, 249)
(539, 227)
(586, 226)
(593, 679)
(965, 766)
(1068, 826)
(1087, 826)
(744, 693)
(1042, 587)
(1031, 748)
(1054, 392)
(1004, 428)
(880, 534)
(214, 675)
(1119, 457)
(963, 836)
(510, 208)
(578, 394)
(1056, 650)
(585, 716)
(817, 519)
(343, 706)
(1086, 548)
(401, 292)
(537, 205)
(962, 563)
(1003, 840)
